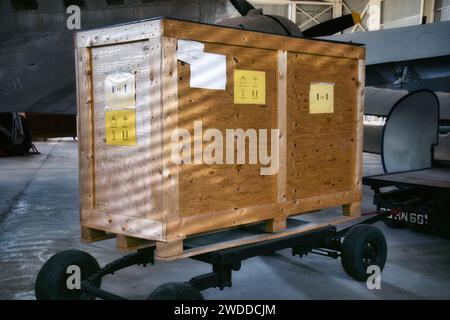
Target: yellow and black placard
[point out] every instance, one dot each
(321, 98)
(121, 127)
(249, 87)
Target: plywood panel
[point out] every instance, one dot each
(85, 129)
(216, 34)
(211, 188)
(123, 173)
(320, 147)
(169, 117)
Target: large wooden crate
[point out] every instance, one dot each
(136, 193)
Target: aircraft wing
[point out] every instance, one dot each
(405, 59)
(426, 41)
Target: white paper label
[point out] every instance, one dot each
(190, 51)
(208, 70)
(120, 91)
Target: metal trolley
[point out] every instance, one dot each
(359, 246)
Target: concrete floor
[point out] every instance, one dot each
(39, 217)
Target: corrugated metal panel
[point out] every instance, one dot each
(400, 13)
(442, 10)
(273, 9)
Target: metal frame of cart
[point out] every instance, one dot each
(420, 198)
(359, 245)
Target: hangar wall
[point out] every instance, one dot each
(442, 10)
(393, 13)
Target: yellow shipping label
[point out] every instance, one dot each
(121, 127)
(249, 87)
(321, 98)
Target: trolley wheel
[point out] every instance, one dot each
(364, 246)
(51, 282)
(176, 291)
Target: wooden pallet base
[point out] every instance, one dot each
(247, 238)
(124, 243)
(275, 225)
(352, 209)
(171, 248)
(181, 248)
(89, 235)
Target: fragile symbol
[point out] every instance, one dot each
(121, 127)
(113, 122)
(249, 87)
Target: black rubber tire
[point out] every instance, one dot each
(357, 241)
(51, 281)
(176, 291)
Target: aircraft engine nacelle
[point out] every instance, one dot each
(410, 133)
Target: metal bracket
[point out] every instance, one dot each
(142, 257)
(221, 277)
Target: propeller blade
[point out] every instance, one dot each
(333, 26)
(242, 6)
